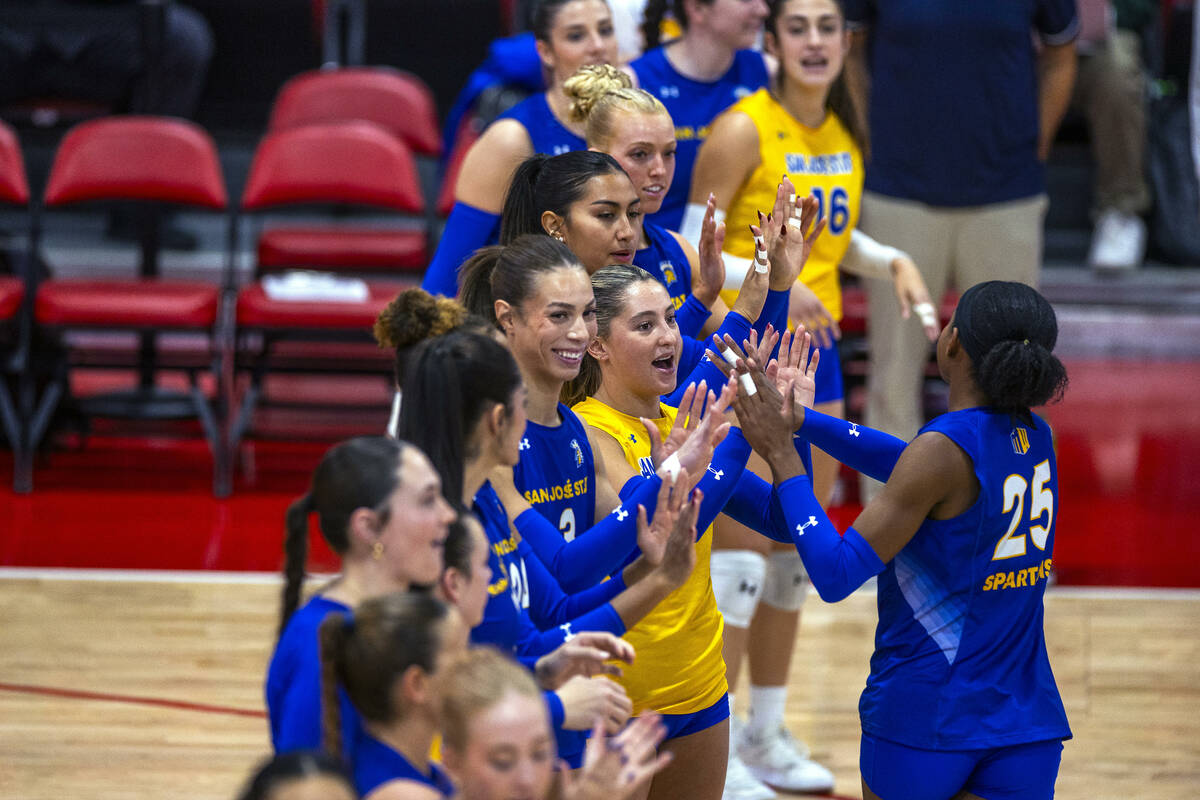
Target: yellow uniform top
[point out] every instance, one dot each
(824, 161)
(679, 668)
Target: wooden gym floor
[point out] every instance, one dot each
(149, 685)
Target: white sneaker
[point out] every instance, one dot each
(781, 762)
(741, 785)
(1118, 241)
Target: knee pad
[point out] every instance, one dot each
(786, 582)
(737, 581)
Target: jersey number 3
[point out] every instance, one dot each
(1041, 512)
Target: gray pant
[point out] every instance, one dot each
(1110, 91)
(952, 247)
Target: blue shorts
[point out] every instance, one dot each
(1016, 772)
(680, 725)
(829, 375)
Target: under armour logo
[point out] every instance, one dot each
(568, 634)
(717, 473)
(524, 445)
(854, 429)
(748, 588)
(812, 523)
(621, 514)
(668, 91)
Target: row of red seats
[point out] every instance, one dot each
(319, 151)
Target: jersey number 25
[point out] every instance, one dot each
(1041, 512)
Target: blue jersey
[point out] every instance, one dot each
(375, 764)
(960, 657)
(557, 473)
(693, 106)
(666, 261)
(293, 686)
(548, 135)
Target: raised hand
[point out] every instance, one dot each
(796, 367)
(586, 654)
(618, 768)
(765, 417)
(679, 558)
(653, 537)
(711, 273)
(703, 429)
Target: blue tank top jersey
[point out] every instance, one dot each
(666, 261)
(508, 594)
(693, 106)
(375, 764)
(548, 135)
(293, 686)
(960, 658)
(557, 473)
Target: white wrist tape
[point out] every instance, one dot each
(927, 314)
(760, 255)
(746, 381)
(869, 258)
(736, 268)
(672, 466)
(693, 222)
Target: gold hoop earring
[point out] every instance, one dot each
(377, 550)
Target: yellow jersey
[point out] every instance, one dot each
(824, 161)
(679, 668)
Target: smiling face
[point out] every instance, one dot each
(414, 535)
(509, 752)
(641, 351)
(550, 331)
(604, 225)
(644, 146)
(811, 42)
(582, 33)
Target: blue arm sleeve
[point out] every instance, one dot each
(754, 504)
(775, 312)
(555, 706)
(549, 606)
(467, 229)
(721, 478)
(837, 565)
(585, 561)
(693, 365)
(691, 317)
(871, 452)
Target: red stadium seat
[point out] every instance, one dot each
(150, 162)
(353, 163)
(14, 315)
(398, 101)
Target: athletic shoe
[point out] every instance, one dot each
(1118, 242)
(781, 762)
(741, 785)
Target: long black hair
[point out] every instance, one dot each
(508, 272)
(549, 183)
(1009, 329)
(450, 383)
(284, 768)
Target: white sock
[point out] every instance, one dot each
(766, 709)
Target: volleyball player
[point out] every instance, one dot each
(960, 701)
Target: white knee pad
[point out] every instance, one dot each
(786, 584)
(737, 581)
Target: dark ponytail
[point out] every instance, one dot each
(366, 653)
(610, 285)
(475, 282)
(1009, 330)
(357, 473)
(453, 380)
(652, 19)
(295, 552)
(549, 183)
